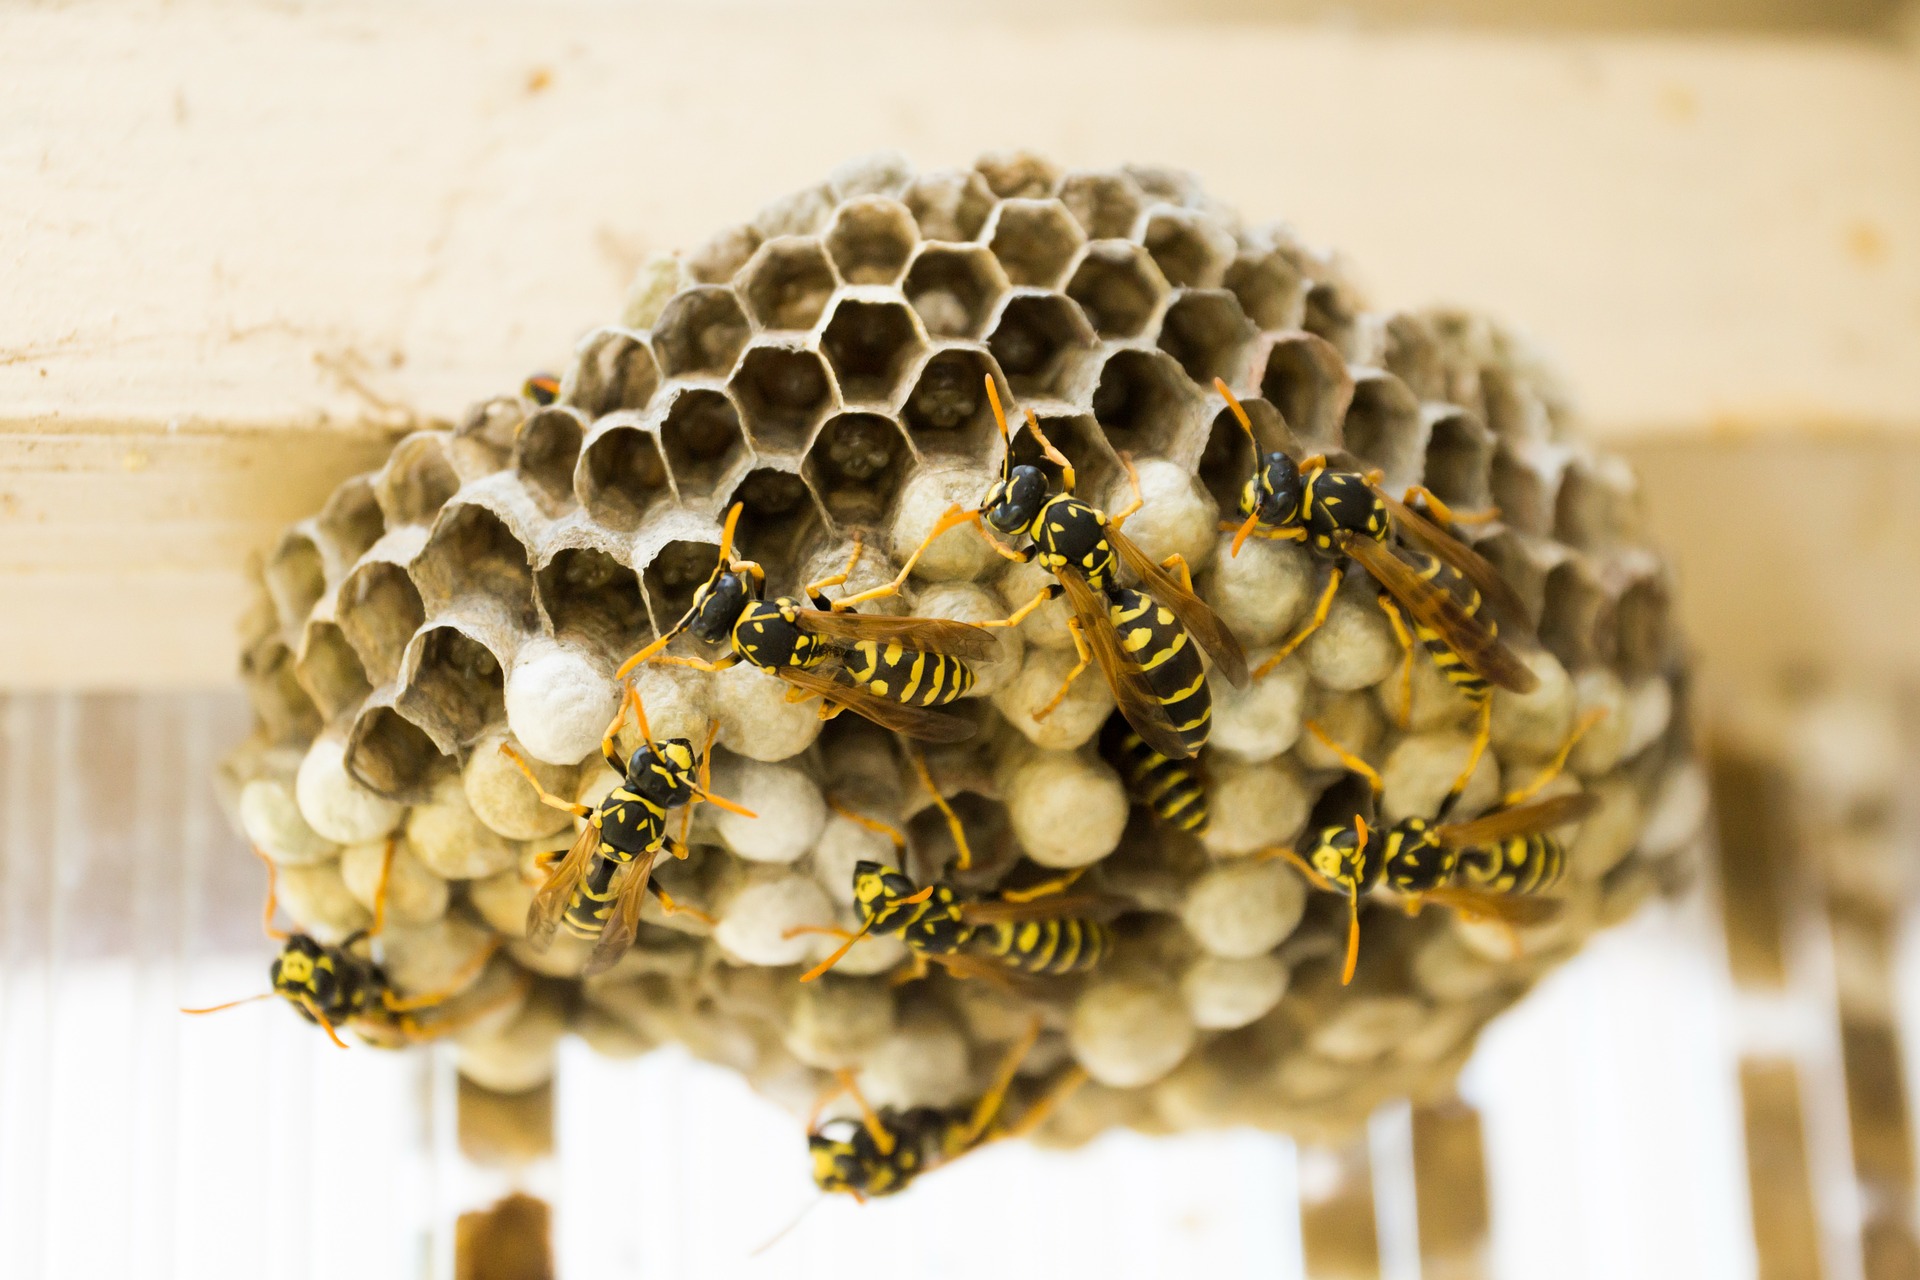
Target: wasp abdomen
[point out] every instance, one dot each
(1166, 653)
(1522, 864)
(907, 676)
(1170, 788)
(1067, 945)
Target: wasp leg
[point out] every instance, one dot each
(1084, 661)
(1177, 563)
(546, 797)
(1120, 517)
(1400, 633)
(1036, 1115)
(1481, 734)
(629, 700)
(888, 830)
(1054, 456)
(1593, 716)
(1059, 884)
(813, 589)
(1301, 865)
(1444, 514)
(1314, 623)
(955, 517)
(672, 908)
(963, 857)
(273, 897)
(414, 1029)
(991, 1101)
(1347, 758)
(410, 1004)
(916, 969)
(380, 887)
(882, 1139)
(1052, 591)
(699, 664)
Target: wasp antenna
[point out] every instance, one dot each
(1245, 531)
(321, 1018)
(787, 1230)
(727, 531)
(1239, 413)
(273, 897)
(1347, 758)
(1353, 937)
(835, 958)
(640, 718)
(1000, 420)
(233, 1004)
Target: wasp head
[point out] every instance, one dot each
(666, 774)
(1015, 500)
(1273, 492)
(305, 973)
(837, 1166)
(879, 889)
(1344, 858)
(718, 603)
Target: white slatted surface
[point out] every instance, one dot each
(135, 1142)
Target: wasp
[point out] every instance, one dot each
(1483, 868)
(627, 833)
(1144, 639)
(1344, 515)
(542, 388)
(1173, 789)
(893, 671)
(882, 1153)
(342, 986)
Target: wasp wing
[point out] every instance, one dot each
(1201, 622)
(927, 635)
(1135, 697)
(1472, 565)
(913, 722)
(1435, 606)
(1052, 906)
(1507, 908)
(624, 921)
(1524, 820)
(550, 902)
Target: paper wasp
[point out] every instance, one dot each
(1343, 515)
(542, 388)
(336, 987)
(1483, 868)
(893, 671)
(1143, 639)
(883, 1152)
(1173, 789)
(626, 833)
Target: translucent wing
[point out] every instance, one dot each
(550, 903)
(1435, 606)
(913, 722)
(1201, 622)
(624, 921)
(927, 635)
(1506, 908)
(1136, 698)
(1472, 565)
(1052, 906)
(1543, 815)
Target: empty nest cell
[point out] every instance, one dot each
(871, 239)
(615, 370)
(1034, 240)
(953, 289)
(1191, 250)
(330, 671)
(379, 610)
(788, 283)
(1384, 428)
(1106, 205)
(589, 595)
(777, 517)
(949, 206)
(455, 687)
(783, 393)
(1206, 331)
(704, 443)
(545, 452)
(417, 480)
(946, 411)
(1270, 288)
(391, 756)
(1305, 378)
(472, 552)
(1119, 288)
(1144, 402)
(350, 523)
(701, 332)
(857, 464)
(871, 343)
(1034, 339)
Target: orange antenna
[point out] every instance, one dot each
(1353, 905)
(321, 1018)
(1000, 419)
(273, 897)
(1239, 413)
(380, 886)
(726, 533)
(839, 952)
(233, 1004)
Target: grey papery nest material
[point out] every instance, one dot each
(823, 365)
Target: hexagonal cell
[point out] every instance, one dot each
(1305, 378)
(856, 465)
(1582, 510)
(1190, 250)
(1079, 438)
(1017, 174)
(378, 612)
(1034, 339)
(1525, 496)
(454, 688)
(1160, 183)
(673, 574)
(871, 240)
(417, 480)
(330, 671)
(953, 288)
(1411, 355)
(1206, 331)
(1227, 459)
(546, 452)
(296, 579)
(621, 475)
(1572, 616)
(788, 283)
(946, 413)
(471, 551)
(614, 370)
(1144, 402)
(723, 254)
(1383, 427)
(274, 693)
(703, 440)
(700, 332)
(783, 392)
(870, 345)
(483, 439)
(1119, 288)
(949, 206)
(1332, 313)
(1106, 205)
(1642, 628)
(1508, 553)
(1459, 453)
(1034, 240)
(390, 756)
(778, 516)
(351, 521)
(1271, 289)
(588, 594)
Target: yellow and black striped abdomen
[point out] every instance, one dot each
(1155, 639)
(592, 900)
(1521, 864)
(1458, 673)
(907, 676)
(1071, 944)
(1171, 788)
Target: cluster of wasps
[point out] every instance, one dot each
(1140, 621)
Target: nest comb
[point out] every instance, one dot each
(822, 365)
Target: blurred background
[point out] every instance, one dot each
(247, 243)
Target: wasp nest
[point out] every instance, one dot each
(822, 365)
